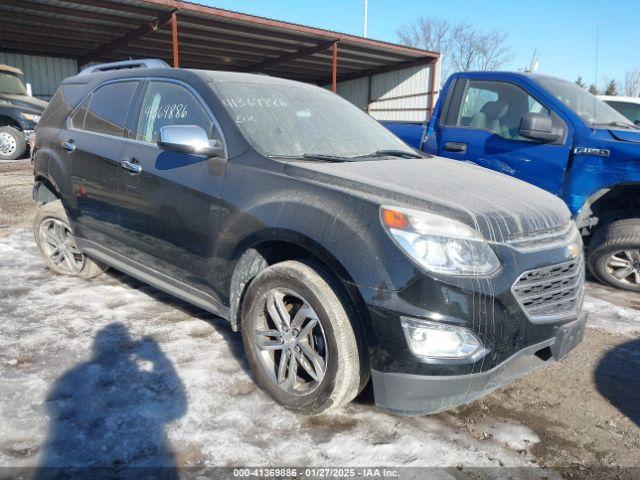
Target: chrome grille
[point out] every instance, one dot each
(551, 293)
(545, 238)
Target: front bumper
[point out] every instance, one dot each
(409, 394)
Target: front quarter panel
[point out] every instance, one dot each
(590, 173)
(263, 204)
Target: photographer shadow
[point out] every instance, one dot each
(617, 378)
(111, 411)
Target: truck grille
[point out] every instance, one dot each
(551, 293)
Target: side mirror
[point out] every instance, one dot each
(189, 139)
(537, 126)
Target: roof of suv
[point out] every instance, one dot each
(155, 68)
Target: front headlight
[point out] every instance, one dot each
(30, 117)
(439, 244)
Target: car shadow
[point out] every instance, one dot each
(617, 378)
(220, 325)
(110, 412)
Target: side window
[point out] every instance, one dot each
(170, 104)
(106, 109)
(498, 107)
(77, 118)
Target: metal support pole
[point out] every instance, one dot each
(174, 33)
(334, 69)
(432, 89)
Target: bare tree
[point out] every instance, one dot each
(632, 83)
(463, 47)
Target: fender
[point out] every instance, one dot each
(583, 216)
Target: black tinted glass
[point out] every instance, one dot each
(108, 108)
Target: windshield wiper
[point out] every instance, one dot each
(616, 124)
(392, 153)
(313, 156)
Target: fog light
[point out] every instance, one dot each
(438, 340)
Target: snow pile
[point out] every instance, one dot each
(612, 318)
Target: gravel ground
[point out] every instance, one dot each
(112, 371)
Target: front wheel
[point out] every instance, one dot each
(57, 244)
(614, 254)
(299, 340)
(12, 143)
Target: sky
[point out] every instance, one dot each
(562, 31)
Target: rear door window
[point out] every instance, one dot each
(105, 110)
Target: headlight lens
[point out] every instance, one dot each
(439, 244)
(438, 340)
(30, 117)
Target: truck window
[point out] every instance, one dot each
(168, 103)
(628, 109)
(107, 109)
(496, 106)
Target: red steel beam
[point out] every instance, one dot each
(303, 52)
(139, 32)
(432, 90)
(334, 68)
(174, 39)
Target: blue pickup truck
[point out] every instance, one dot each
(555, 135)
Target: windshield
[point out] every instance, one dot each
(11, 85)
(293, 120)
(588, 107)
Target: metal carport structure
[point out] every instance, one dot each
(197, 36)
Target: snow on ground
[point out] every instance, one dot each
(111, 370)
(612, 318)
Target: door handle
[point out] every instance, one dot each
(68, 146)
(457, 147)
(131, 165)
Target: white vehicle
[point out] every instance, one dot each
(627, 106)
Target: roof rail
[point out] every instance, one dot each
(126, 64)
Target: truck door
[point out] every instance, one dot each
(481, 126)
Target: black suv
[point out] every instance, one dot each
(339, 252)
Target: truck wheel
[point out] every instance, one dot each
(298, 338)
(57, 244)
(12, 143)
(614, 254)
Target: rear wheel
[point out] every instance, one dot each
(299, 340)
(614, 254)
(57, 244)
(12, 143)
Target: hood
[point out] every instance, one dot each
(626, 135)
(25, 101)
(497, 206)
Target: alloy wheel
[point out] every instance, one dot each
(624, 266)
(291, 342)
(59, 245)
(8, 144)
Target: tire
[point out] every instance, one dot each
(304, 288)
(12, 143)
(614, 254)
(52, 231)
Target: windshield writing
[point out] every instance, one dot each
(293, 120)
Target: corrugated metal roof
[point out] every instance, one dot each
(209, 38)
